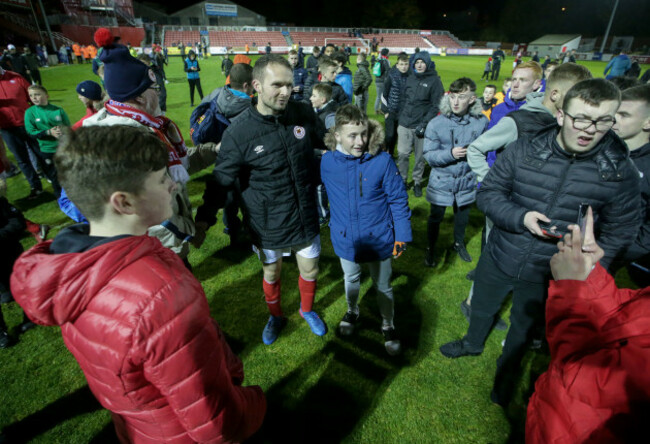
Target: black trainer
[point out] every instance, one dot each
(26, 325)
(5, 339)
(429, 261)
(470, 274)
(459, 248)
(33, 194)
(457, 349)
(501, 325)
(347, 324)
(392, 344)
(417, 190)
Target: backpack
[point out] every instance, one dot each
(376, 68)
(207, 124)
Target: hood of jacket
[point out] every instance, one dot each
(426, 58)
(56, 288)
(534, 103)
(375, 137)
(231, 105)
(475, 110)
(364, 63)
(345, 72)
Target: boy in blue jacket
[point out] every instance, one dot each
(370, 216)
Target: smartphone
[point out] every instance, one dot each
(582, 218)
(546, 229)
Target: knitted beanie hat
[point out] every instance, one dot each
(90, 90)
(125, 77)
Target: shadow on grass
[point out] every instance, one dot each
(355, 373)
(79, 402)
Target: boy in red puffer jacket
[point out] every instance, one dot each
(130, 312)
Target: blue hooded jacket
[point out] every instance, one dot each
(368, 201)
(344, 78)
(618, 65)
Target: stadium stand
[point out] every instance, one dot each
(241, 38)
(316, 38)
(399, 40)
(172, 38)
(443, 41)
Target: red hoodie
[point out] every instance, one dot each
(138, 323)
(14, 99)
(597, 387)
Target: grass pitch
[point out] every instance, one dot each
(325, 389)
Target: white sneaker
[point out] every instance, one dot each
(347, 324)
(392, 344)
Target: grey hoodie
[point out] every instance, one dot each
(229, 104)
(499, 136)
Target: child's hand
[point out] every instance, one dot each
(55, 132)
(459, 152)
(398, 249)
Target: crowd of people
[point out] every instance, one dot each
(558, 161)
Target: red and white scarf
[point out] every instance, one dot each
(165, 129)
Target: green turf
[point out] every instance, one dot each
(335, 389)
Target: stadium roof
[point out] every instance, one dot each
(555, 39)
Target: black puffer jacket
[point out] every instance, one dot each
(641, 158)
(422, 94)
(273, 158)
(535, 174)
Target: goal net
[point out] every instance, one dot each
(362, 45)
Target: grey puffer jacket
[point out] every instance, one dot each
(452, 179)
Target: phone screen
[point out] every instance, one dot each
(582, 218)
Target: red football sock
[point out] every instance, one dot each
(307, 293)
(272, 296)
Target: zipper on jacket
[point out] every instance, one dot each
(296, 193)
(360, 184)
(549, 206)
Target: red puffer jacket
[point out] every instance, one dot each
(597, 387)
(138, 323)
(14, 99)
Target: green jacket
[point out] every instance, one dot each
(39, 120)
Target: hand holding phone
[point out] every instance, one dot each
(550, 231)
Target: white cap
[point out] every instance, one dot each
(10, 47)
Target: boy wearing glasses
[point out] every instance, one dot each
(452, 183)
(532, 194)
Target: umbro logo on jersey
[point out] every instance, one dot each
(259, 149)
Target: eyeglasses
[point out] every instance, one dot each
(600, 125)
(460, 96)
(155, 87)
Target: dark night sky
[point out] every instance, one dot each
(510, 20)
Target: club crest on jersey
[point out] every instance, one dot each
(299, 132)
